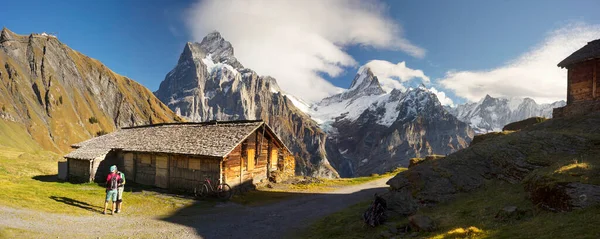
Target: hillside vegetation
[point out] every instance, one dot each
(56, 96)
(549, 172)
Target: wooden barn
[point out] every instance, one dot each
(181, 155)
(583, 89)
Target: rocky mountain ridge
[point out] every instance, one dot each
(209, 83)
(58, 96)
(491, 114)
(371, 131)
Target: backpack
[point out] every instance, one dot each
(375, 214)
(122, 178)
(114, 182)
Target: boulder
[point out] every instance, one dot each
(421, 223)
(511, 212)
(400, 203)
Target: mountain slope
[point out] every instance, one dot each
(209, 83)
(58, 96)
(491, 114)
(371, 131)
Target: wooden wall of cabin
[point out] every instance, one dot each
(144, 169)
(178, 172)
(79, 170)
(251, 159)
(187, 172)
(582, 81)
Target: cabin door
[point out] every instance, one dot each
(162, 171)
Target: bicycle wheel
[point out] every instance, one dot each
(224, 191)
(201, 191)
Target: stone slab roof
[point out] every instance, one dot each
(588, 52)
(214, 139)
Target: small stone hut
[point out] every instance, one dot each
(181, 155)
(583, 91)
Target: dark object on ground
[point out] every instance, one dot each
(519, 125)
(421, 223)
(375, 214)
(512, 212)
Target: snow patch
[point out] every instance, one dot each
(211, 66)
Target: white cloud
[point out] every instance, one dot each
(392, 75)
(294, 41)
(533, 74)
(442, 97)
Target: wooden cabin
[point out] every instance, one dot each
(583, 89)
(181, 155)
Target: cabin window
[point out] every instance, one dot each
(194, 163)
(145, 159)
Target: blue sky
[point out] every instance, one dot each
(143, 39)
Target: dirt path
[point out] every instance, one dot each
(230, 221)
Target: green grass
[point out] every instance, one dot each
(29, 181)
(472, 216)
(279, 192)
(13, 136)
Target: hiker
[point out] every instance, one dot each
(112, 183)
(120, 190)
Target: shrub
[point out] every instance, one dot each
(60, 99)
(101, 132)
(3, 108)
(93, 120)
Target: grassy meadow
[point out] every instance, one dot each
(471, 215)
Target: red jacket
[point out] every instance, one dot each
(109, 178)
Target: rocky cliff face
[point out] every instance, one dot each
(208, 83)
(491, 114)
(371, 131)
(59, 96)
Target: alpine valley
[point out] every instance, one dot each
(68, 97)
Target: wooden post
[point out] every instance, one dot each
(241, 163)
(594, 81)
(269, 155)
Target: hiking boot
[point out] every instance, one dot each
(117, 211)
(104, 213)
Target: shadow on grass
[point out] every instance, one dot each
(77, 203)
(51, 178)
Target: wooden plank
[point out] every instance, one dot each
(162, 161)
(594, 82)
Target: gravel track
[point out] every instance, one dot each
(276, 220)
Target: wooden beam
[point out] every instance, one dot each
(594, 81)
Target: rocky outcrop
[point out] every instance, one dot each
(54, 92)
(491, 114)
(519, 125)
(540, 157)
(209, 83)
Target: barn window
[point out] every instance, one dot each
(194, 163)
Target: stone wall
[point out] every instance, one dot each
(574, 109)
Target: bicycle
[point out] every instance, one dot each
(222, 190)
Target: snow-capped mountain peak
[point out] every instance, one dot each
(219, 49)
(491, 114)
